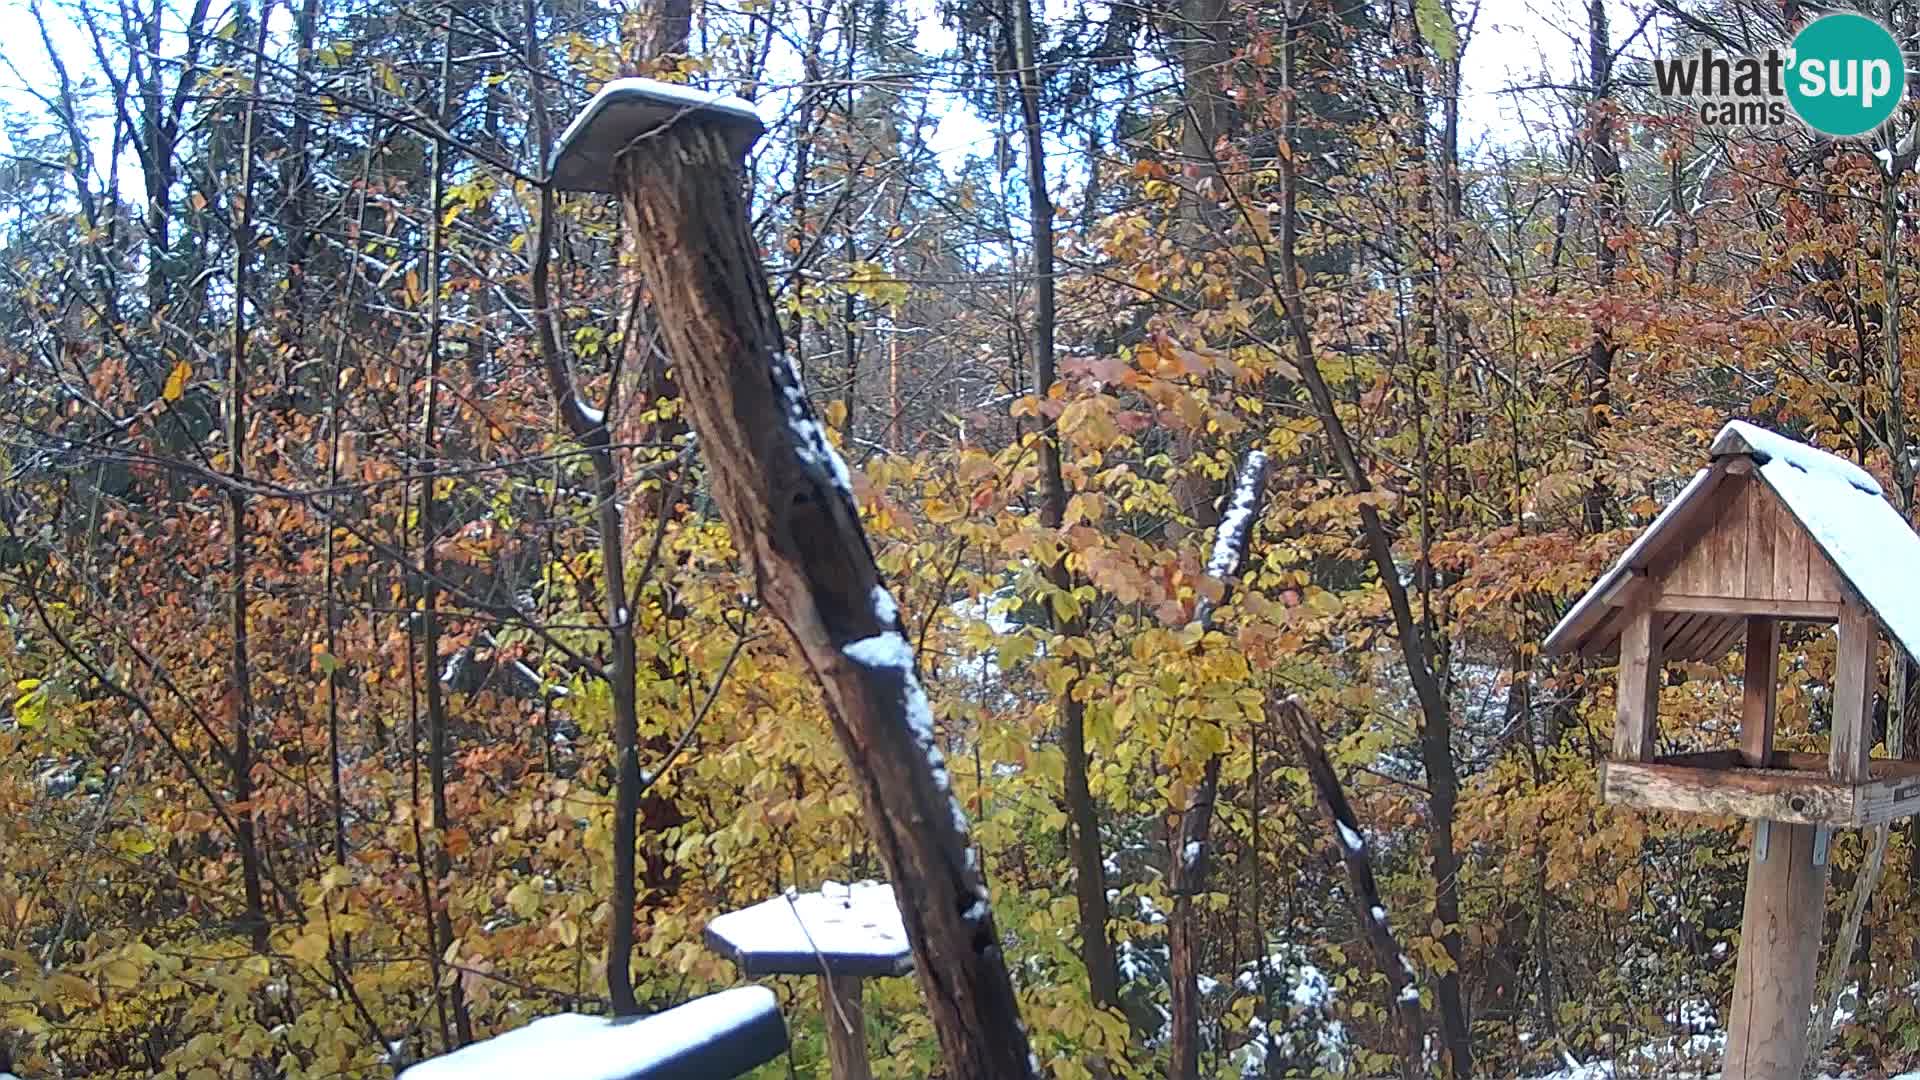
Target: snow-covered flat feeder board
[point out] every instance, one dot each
(629, 109)
(711, 1038)
(841, 930)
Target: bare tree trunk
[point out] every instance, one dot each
(437, 752)
(1190, 856)
(240, 693)
(1605, 164)
(1089, 881)
(589, 427)
(1416, 650)
(785, 494)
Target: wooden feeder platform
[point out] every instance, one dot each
(1795, 788)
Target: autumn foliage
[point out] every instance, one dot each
(339, 795)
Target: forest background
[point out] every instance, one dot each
(350, 524)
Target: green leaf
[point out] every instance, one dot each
(524, 899)
(1436, 25)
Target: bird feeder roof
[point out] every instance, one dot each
(1853, 539)
(852, 930)
(627, 110)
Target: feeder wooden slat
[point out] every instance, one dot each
(1757, 702)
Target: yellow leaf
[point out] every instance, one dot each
(121, 974)
(524, 899)
(177, 381)
(310, 947)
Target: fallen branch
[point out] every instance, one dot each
(1363, 891)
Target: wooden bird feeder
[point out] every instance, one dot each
(842, 933)
(1771, 531)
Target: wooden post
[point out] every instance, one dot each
(1758, 703)
(1637, 702)
(788, 499)
(1852, 693)
(846, 1027)
(1773, 985)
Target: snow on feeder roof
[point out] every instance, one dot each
(842, 930)
(628, 110)
(1811, 527)
(719, 1035)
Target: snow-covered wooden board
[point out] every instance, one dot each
(840, 930)
(711, 1038)
(628, 109)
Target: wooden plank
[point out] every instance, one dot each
(1679, 551)
(1880, 767)
(1705, 759)
(1674, 631)
(1699, 638)
(1730, 634)
(1762, 508)
(1890, 799)
(1687, 571)
(1729, 545)
(846, 1018)
(1853, 679)
(1604, 639)
(1795, 610)
(1773, 984)
(1637, 704)
(1808, 797)
(1760, 691)
(1789, 559)
(1823, 581)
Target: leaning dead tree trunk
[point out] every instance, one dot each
(1361, 888)
(788, 499)
(1190, 853)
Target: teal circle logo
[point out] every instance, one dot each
(1846, 75)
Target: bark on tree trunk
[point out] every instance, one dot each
(1190, 857)
(786, 495)
(240, 696)
(1416, 649)
(1089, 866)
(1605, 162)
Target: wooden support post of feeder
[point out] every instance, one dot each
(673, 157)
(1772, 531)
(845, 934)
